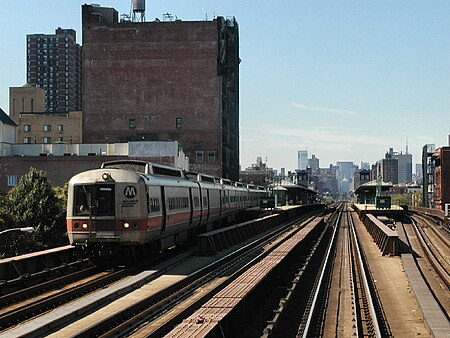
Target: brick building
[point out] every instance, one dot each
(163, 80)
(442, 177)
(54, 64)
(27, 99)
(389, 168)
(27, 106)
(48, 128)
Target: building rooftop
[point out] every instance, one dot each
(5, 119)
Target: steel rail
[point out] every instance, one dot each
(365, 280)
(435, 263)
(444, 240)
(150, 308)
(321, 277)
(16, 314)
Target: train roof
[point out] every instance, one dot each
(98, 175)
(144, 167)
(199, 177)
(225, 181)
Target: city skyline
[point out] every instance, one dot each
(347, 81)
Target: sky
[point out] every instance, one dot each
(345, 80)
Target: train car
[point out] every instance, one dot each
(241, 193)
(229, 198)
(211, 197)
(262, 193)
(135, 203)
(254, 196)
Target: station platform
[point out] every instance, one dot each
(372, 207)
(394, 211)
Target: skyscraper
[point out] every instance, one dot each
(404, 165)
(54, 64)
(313, 163)
(302, 159)
(389, 168)
(344, 175)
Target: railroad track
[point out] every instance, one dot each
(70, 287)
(20, 272)
(369, 312)
(435, 246)
(145, 310)
(56, 291)
(344, 302)
(156, 314)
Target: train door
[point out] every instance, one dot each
(191, 204)
(208, 204)
(164, 210)
(200, 196)
(220, 202)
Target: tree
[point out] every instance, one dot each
(33, 203)
(400, 199)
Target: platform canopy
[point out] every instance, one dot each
(295, 194)
(366, 192)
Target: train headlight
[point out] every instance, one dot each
(126, 225)
(106, 176)
(76, 225)
(84, 225)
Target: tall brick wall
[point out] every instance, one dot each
(138, 78)
(442, 177)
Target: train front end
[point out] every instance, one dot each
(106, 210)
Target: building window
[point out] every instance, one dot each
(47, 127)
(178, 121)
(60, 127)
(47, 140)
(211, 156)
(27, 140)
(12, 180)
(199, 156)
(132, 123)
(27, 127)
(61, 139)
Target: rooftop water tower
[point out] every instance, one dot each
(138, 10)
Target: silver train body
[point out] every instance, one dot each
(134, 203)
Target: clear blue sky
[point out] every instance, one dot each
(345, 80)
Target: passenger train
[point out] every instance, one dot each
(130, 203)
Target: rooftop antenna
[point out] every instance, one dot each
(168, 17)
(138, 10)
(206, 14)
(406, 145)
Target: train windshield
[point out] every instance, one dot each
(94, 200)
